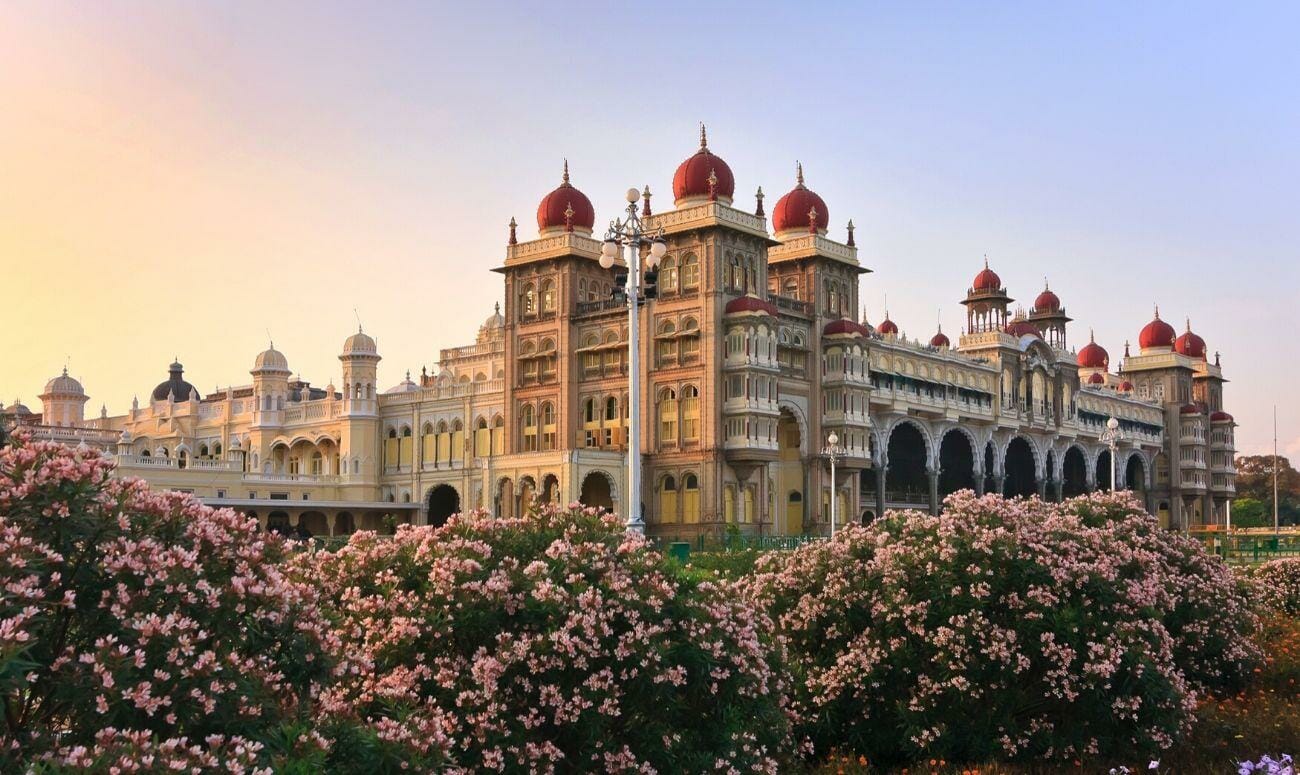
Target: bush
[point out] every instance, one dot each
(999, 630)
(556, 640)
(1206, 608)
(132, 619)
(1276, 585)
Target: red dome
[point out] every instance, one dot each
(750, 304)
(845, 326)
(1096, 379)
(1021, 328)
(1046, 301)
(692, 177)
(1093, 355)
(1126, 387)
(552, 213)
(987, 279)
(1157, 333)
(940, 339)
(792, 211)
(1190, 344)
(1190, 409)
(1220, 416)
(887, 326)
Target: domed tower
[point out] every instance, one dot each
(566, 209)
(986, 302)
(1049, 317)
(703, 177)
(360, 359)
(174, 388)
(270, 387)
(63, 402)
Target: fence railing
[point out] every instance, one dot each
(1250, 547)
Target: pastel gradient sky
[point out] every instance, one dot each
(179, 178)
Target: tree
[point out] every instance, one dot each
(1255, 481)
(1252, 512)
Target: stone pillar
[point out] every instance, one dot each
(933, 476)
(1058, 488)
(1042, 489)
(880, 491)
(329, 521)
(979, 483)
(1000, 483)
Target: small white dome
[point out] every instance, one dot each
(405, 386)
(271, 359)
(125, 438)
(359, 343)
(64, 385)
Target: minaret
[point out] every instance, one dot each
(360, 359)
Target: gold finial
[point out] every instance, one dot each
(566, 172)
(704, 138)
(1091, 337)
(1157, 312)
(986, 260)
(1046, 287)
(798, 173)
(1189, 325)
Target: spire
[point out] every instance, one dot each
(496, 308)
(758, 195)
(1189, 330)
(798, 174)
(1091, 338)
(408, 375)
(645, 196)
(851, 243)
(1125, 348)
(1157, 312)
(565, 179)
(986, 260)
(704, 139)
(514, 238)
(1046, 287)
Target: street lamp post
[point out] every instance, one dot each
(626, 236)
(1111, 437)
(833, 451)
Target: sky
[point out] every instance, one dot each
(189, 179)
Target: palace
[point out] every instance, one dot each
(752, 354)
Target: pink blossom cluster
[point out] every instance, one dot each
(554, 642)
(1276, 585)
(128, 609)
(1002, 630)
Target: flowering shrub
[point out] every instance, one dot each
(1206, 609)
(1283, 765)
(137, 623)
(1276, 584)
(999, 630)
(553, 641)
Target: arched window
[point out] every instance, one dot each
(666, 344)
(690, 413)
(589, 415)
(689, 341)
(668, 275)
(611, 409)
(548, 296)
(203, 451)
(668, 416)
(690, 272)
(216, 450)
(735, 275)
(528, 299)
(498, 435)
(690, 499)
(528, 421)
(548, 426)
(582, 289)
(668, 499)
(317, 463)
(482, 438)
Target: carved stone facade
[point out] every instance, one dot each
(753, 352)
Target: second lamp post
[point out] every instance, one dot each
(627, 236)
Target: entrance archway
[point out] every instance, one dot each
(788, 474)
(905, 478)
(1106, 470)
(1135, 473)
(1019, 465)
(443, 502)
(596, 491)
(1074, 473)
(956, 463)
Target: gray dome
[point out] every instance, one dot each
(175, 385)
